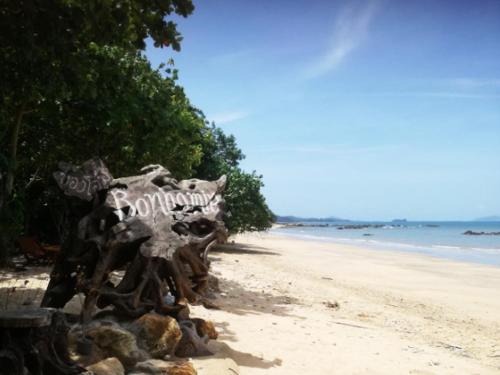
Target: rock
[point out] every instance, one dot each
(359, 226)
(472, 233)
(205, 328)
(184, 368)
(191, 344)
(157, 334)
(81, 349)
(115, 341)
(109, 366)
(159, 367)
(332, 305)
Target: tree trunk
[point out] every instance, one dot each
(12, 151)
(7, 181)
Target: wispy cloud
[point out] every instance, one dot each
(227, 117)
(351, 28)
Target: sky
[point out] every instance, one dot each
(368, 110)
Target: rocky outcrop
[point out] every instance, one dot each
(359, 226)
(473, 233)
(115, 341)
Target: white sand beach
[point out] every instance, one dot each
(303, 307)
(292, 306)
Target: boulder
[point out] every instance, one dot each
(157, 334)
(191, 344)
(108, 366)
(115, 341)
(205, 328)
(82, 350)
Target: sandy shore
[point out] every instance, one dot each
(304, 307)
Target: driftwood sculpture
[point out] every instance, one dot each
(156, 229)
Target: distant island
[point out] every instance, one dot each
(489, 218)
(399, 221)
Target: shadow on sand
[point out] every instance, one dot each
(240, 248)
(239, 300)
(223, 350)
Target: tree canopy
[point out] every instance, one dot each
(75, 84)
(247, 209)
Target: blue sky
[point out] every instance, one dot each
(356, 109)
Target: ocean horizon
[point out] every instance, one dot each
(442, 239)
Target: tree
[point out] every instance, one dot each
(75, 85)
(41, 45)
(220, 152)
(41, 48)
(247, 209)
(126, 113)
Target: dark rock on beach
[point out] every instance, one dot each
(359, 226)
(295, 225)
(473, 233)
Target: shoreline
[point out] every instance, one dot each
(465, 254)
(292, 306)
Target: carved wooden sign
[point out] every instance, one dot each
(84, 181)
(159, 228)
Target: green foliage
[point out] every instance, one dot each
(246, 206)
(42, 42)
(75, 85)
(49, 51)
(128, 114)
(220, 152)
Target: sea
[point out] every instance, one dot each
(438, 239)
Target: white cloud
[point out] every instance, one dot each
(351, 28)
(227, 117)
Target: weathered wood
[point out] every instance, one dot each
(156, 228)
(85, 181)
(25, 318)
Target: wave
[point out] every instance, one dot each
(392, 245)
